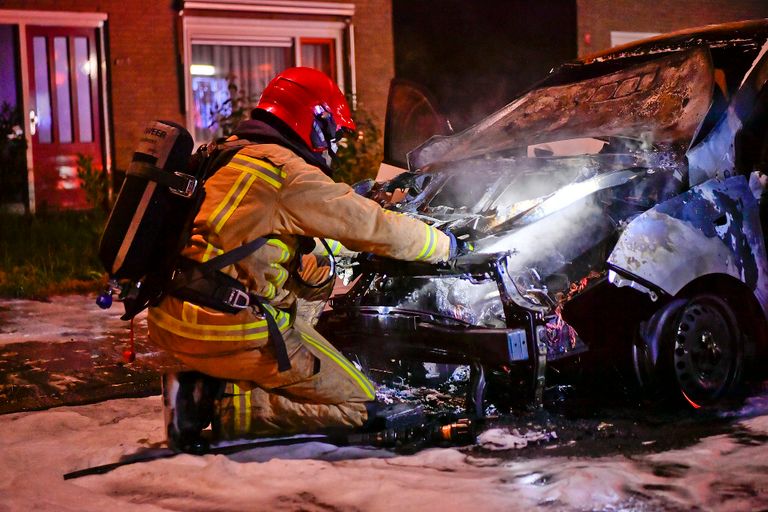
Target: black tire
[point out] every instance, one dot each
(691, 351)
(708, 351)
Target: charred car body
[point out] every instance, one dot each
(611, 211)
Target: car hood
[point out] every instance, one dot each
(663, 100)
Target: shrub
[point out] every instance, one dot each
(49, 253)
(359, 156)
(93, 180)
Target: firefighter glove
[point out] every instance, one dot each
(458, 247)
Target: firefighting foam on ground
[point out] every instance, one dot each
(585, 450)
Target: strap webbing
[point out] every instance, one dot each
(231, 257)
(202, 279)
(183, 183)
(278, 342)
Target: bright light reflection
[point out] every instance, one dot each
(202, 70)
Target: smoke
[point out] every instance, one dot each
(454, 297)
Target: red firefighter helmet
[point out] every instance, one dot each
(311, 104)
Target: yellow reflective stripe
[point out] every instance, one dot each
(278, 243)
(282, 274)
(235, 203)
(210, 251)
(248, 411)
(259, 168)
(224, 203)
(262, 164)
(433, 243)
(236, 404)
(271, 291)
(333, 245)
(285, 255)
(256, 174)
(282, 277)
(345, 364)
(210, 332)
(429, 244)
(241, 400)
(231, 201)
(189, 312)
(281, 317)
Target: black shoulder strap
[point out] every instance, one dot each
(233, 256)
(205, 285)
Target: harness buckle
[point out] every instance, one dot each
(237, 299)
(187, 187)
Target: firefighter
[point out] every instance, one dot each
(278, 186)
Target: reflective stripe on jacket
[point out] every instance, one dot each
(266, 190)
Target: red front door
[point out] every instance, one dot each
(64, 111)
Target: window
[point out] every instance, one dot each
(318, 53)
(229, 61)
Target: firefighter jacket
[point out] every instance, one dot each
(269, 190)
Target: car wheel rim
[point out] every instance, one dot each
(705, 354)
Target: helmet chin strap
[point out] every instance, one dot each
(324, 130)
(325, 135)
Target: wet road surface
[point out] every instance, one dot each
(66, 351)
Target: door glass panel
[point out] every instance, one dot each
(83, 87)
(318, 54)
(13, 168)
(61, 75)
(227, 81)
(8, 78)
(42, 91)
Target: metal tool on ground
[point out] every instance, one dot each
(410, 435)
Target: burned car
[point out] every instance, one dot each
(612, 215)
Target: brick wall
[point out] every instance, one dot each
(374, 50)
(597, 18)
(143, 60)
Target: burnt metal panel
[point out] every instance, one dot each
(664, 100)
(713, 228)
(715, 157)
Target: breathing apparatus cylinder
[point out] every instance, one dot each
(143, 234)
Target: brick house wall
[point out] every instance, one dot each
(144, 80)
(597, 18)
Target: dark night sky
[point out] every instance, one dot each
(476, 55)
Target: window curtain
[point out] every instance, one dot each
(318, 56)
(249, 68)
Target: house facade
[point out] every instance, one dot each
(83, 77)
(606, 23)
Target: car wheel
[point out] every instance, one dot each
(691, 350)
(708, 351)
(648, 347)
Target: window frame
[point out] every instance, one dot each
(261, 32)
(324, 41)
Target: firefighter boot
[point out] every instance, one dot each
(188, 407)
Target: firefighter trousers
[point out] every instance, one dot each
(322, 389)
